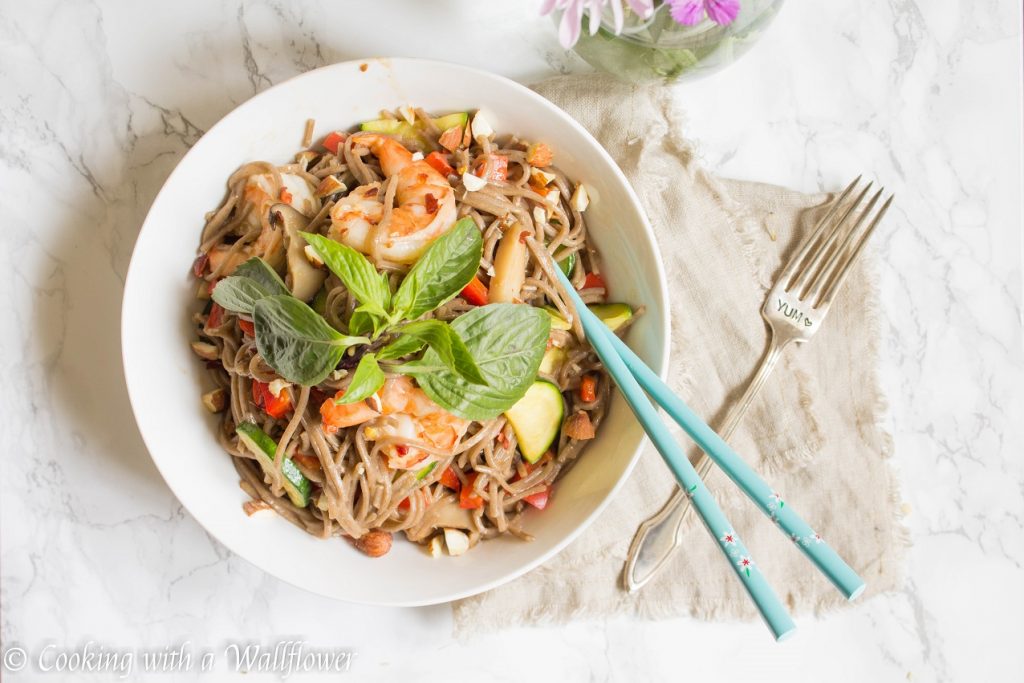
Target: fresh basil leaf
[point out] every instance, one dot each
(363, 321)
(366, 380)
(355, 271)
(296, 342)
(266, 277)
(507, 341)
(448, 345)
(238, 294)
(401, 347)
(443, 270)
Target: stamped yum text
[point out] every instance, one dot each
(794, 314)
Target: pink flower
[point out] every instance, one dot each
(691, 12)
(572, 15)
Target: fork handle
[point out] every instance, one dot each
(661, 534)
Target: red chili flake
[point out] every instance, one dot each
(503, 439)
(430, 202)
(401, 449)
(522, 237)
(286, 196)
(372, 192)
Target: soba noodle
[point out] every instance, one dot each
(354, 490)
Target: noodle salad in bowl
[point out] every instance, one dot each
(371, 321)
(390, 349)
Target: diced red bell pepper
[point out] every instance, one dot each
(475, 292)
(274, 406)
(588, 389)
(539, 500)
(468, 498)
(216, 317)
(440, 163)
(333, 141)
(450, 480)
(247, 327)
(492, 168)
(594, 280)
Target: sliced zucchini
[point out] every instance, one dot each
(447, 121)
(263, 447)
(536, 419)
(612, 315)
(412, 134)
(557, 321)
(552, 361)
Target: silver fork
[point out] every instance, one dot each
(794, 310)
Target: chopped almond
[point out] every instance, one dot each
(374, 543)
(306, 158)
(539, 154)
(541, 178)
(451, 139)
(580, 198)
(579, 427)
(251, 507)
(308, 462)
(330, 185)
(205, 350)
(215, 401)
(457, 542)
(312, 256)
(481, 126)
(473, 183)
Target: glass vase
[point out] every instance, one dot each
(659, 49)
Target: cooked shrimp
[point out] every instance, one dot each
(257, 197)
(355, 216)
(337, 416)
(425, 206)
(408, 413)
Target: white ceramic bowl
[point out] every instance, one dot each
(165, 379)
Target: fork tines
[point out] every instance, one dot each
(821, 266)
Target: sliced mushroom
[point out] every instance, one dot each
(509, 266)
(304, 279)
(446, 513)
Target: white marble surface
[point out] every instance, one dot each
(100, 100)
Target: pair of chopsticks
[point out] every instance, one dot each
(633, 377)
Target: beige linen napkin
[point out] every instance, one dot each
(814, 432)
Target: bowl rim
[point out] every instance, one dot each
(659, 307)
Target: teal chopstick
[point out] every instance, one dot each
(771, 609)
(768, 500)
